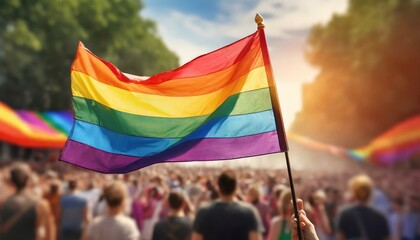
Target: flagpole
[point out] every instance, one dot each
(277, 115)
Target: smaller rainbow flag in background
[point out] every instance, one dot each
(218, 106)
(34, 129)
(399, 143)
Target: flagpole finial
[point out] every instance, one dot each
(259, 20)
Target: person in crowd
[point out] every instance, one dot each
(306, 226)
(196, 191)
(255, 198)
(318, 214)
(23, 216)
(179, 185)
(137, 209)
(5, 189)
(360, 220)
(152, 207)
(176, 226)
(73, 213)
(280, 226)
(227, 218)
(274, 199)
(53, 199)
(211, 193)
(395, 218)
(411, 219)
(331, 208)
(380, 201)
(91, 194)
(114, 224)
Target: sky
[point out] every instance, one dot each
(194, 27)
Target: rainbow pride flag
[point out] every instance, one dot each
(399, 143)
(217, 106)
(34, 129)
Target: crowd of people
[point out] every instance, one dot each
(171, 201)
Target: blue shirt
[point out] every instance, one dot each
(411, 223)
(72, 212)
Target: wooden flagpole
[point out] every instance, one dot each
(277, 115)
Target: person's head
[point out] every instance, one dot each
(397, 204)
(152, 192)
(361, 187)
(332, 194)
(72, 185)
(175, 200)
(317, 198)
(254, 194)
(115, 194)
(19, 175)
(414, 202)
(285, 203)
(54, 187)
(227, 183)
(180, 180)
(277, 190)
(156, 180)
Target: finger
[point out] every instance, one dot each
(303, 218)
(294, 223)
(299, 204)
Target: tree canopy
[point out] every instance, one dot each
(369, 78)
(38, 41)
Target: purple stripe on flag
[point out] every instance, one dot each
(35, 121)
(196, 150)
(391, 157)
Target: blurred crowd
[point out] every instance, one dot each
(76, 201)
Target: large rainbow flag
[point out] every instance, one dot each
(218, 106)
(34, 129)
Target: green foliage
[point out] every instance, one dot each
(369, 59)
(38, 40)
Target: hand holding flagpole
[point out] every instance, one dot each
(259, 20)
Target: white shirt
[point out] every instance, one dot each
(113, 227)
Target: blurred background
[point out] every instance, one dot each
(347, 73)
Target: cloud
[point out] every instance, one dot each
(235, 20)
(186, 34)
(291, 15)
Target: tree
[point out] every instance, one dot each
(369, 59)
(38, 41)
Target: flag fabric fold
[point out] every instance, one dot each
(216, 107)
